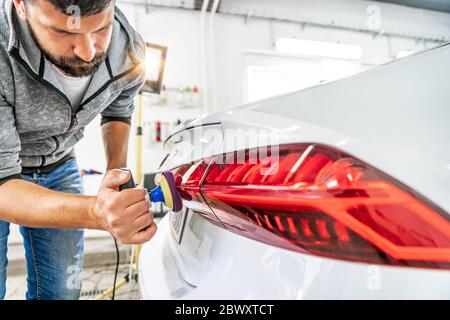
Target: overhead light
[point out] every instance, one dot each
(404, 53)
(318, 48)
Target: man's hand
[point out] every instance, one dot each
(126, 214)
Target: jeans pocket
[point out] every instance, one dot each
(66, 178)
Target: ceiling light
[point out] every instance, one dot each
(318, 48)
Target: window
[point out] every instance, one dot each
(271, 73)
(265, 82)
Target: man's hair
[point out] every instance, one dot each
(87, 7)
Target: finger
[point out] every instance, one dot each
(141, 223)
(144, 235)
(136, 210)
(129, 197)
(115, 178)
(146, 212)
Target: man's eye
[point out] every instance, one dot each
(63, 33)
(102, 30)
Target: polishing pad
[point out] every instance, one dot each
(172, 198)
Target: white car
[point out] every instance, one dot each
(350, 199)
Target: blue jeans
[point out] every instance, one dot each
(54, 256)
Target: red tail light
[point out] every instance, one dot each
(318, 200)
(189, 188)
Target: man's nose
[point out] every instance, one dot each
(84, 48)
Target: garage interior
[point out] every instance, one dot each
(223, 54)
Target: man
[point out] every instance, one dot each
(61, 65)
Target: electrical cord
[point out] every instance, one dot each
(117, 269)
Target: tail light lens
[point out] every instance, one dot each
(316, 199)
(189, 179)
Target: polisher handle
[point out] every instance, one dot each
(130, 184)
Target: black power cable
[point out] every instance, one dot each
(129, 185)
(117, 269)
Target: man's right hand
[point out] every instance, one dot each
(126, 214)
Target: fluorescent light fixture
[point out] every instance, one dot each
(318, 48)
(404, 53)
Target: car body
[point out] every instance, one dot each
(391, 122)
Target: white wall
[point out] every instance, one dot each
(180, 31)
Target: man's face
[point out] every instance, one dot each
(77, 47)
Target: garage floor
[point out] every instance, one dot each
(94, 280)
(98, 273)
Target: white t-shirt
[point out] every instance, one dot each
(74, 88)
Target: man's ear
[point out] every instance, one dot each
(20, 9)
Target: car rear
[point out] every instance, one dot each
(336, 191)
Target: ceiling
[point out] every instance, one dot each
(436, 5)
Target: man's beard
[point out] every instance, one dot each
(71, 66)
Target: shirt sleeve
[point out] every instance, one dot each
(123, 107)
(10, 165)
